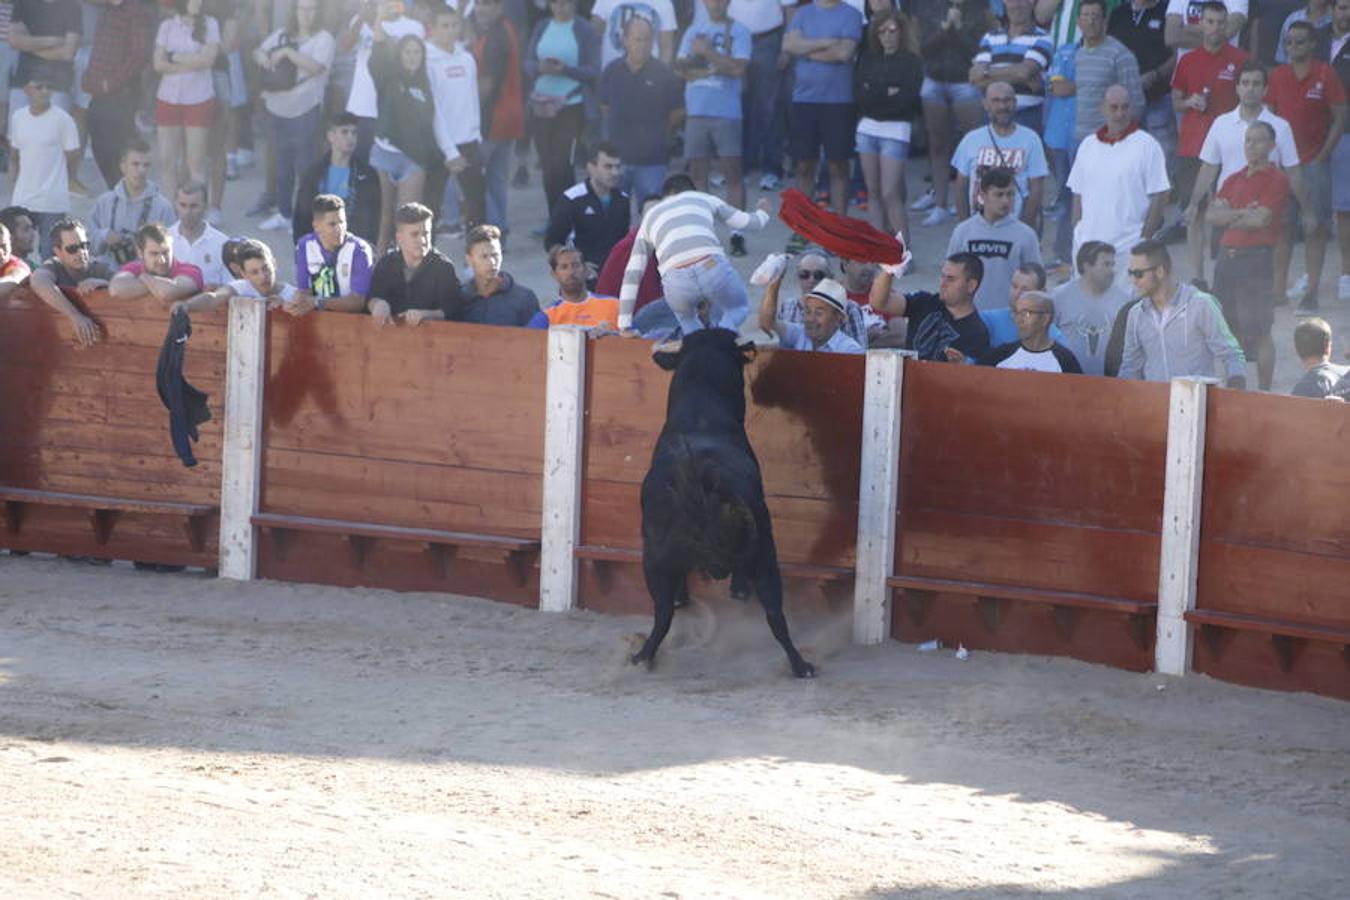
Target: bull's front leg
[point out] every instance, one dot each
(769, 588)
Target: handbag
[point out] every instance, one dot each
(283, 75)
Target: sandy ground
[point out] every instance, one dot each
(176, 736)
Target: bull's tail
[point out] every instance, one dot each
(717, 528)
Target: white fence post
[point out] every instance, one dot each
(1179, 560)
(564, 429)
(877, 489)
(241, 461)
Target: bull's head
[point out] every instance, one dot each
(668, 354)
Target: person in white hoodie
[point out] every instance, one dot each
(1177, 330)
(454, 89)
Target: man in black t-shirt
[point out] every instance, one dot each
(1139, 25)
(414, 282)
(943, 327)
(47, 34)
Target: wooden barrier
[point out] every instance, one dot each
(406, 458)
(87, 467)
(1030, 512)
(804, 418)
(1273, 604)
(1028, 515)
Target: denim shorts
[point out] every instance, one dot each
(879, 146)
(394, 163)
(949, 93)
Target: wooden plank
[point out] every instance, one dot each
(241, 453)
(1018, 445)
(1026, 594)
(400, 493)
(95, 501)
(394, 532)
(1268, 482)
(1267, 625)
(1057, 556)
(1266, 581)
(878, 494)
(1179, 553)
(564, 437)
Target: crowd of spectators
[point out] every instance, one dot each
(1104, 130)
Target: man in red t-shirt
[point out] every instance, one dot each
(1204, 86)
(1250, 209)
(1309, 94)
(156, 273)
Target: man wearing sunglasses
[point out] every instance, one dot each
(811, 269)
(1177, 330)
(70, 269)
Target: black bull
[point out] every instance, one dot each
(703, 498)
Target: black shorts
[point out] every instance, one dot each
(816, 125)
(1243, 283)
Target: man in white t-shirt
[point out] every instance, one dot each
(361, 102)
(44, 151)
(194, 240)
(1119, 181)
(610, 17)
(1222, 153)
(259, 283)
(1182, 28)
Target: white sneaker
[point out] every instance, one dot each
(243, 158)
(717, 179)
(936, 216)
(1343, 289)
(770, 182)
(275, 222)
(927, 201)
(214, 217)
(1299, 289)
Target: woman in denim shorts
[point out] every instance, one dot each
(951, 104)
(886, 87)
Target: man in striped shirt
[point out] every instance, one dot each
(689, 256)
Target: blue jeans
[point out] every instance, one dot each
(640, 181)
(296, 141)
(497, 166)
(1061, 162)
(765, 110)
(713, 280)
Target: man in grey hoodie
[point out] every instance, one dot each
(133, 202)
(1178, 330)
(1000, 239)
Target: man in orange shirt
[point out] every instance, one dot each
(575, 305)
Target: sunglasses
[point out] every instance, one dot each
(76, 248)
(1139, 273)
(817, 274)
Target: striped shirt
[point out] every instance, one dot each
(680, 230)
(1095, 70)
(999, 49)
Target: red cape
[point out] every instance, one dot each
(841, 235)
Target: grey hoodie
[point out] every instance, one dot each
(1191, 337)
(114, 211)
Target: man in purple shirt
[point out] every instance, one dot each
(332, 265)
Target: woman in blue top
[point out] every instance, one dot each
(564, 61)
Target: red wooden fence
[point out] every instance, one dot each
(1274, 600)
(86, 463)
(438, 427)
(1030, 512)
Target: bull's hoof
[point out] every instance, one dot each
(639, 658)
(805, 670)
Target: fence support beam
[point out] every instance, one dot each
(1179, 560)
(564, 429)
(877, 494)
(241, 457)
